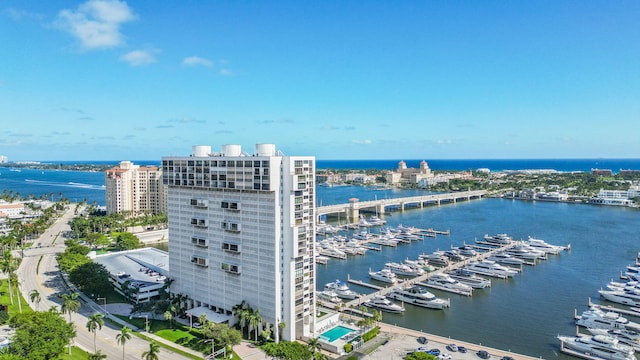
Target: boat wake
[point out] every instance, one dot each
(66, 184)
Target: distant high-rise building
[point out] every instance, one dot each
(3, 159)
(136, 189)
(242, 229)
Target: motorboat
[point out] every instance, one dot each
(615, 285)
(418, 296)
(403, 269)
(453, 255)
(596, 346)
(598, 319)
(403, 235)
(363, 222)
(626, 296)
(526, 252)
(384, 304)
(384, 275)
(329, 296)
(467, 250)
(420, 263)
(445, 282)
(435, 259)
(333, 252)
(470, 278)
(539, 244)
(498, 239)
(341, 289)
(626, 337)
(504, 258)
(376, 221)
(491, 268)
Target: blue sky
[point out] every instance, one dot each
(111, 80)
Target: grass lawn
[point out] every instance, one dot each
(6, 300)
(76, 354)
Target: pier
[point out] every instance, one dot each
(352, 209)
(418, 280)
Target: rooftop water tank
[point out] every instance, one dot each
(231, 150)
(265, 149)
(200, 150)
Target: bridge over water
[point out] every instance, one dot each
(352, 209)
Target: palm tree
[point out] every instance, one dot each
(123, 337)
(94, 324)
(254, 320)
(16, 284)
(152, 353)
(8, 266)
(313, 344)
(70, 303)
(97, 356)
(169, 317)
(281, 326)
(34, 295)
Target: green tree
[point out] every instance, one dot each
(40, 335)
(254, 321)
(94, 324)
(314, 344)
(98, 355)
(127, 241)
(168, 316)
(123, 337)
(91, 278)
(287, 350)
(152, 353)
(34, 295)
(70, 303)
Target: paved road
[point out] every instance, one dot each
(45, 278)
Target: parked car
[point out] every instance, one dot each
(422, 340)
(452, 347)
(444, 357)
(507, 358)
(462, 349)
(482, 354)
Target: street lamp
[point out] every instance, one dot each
(146, 323)
(105, 304)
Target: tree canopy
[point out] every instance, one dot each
(91, 278)
(40, 335)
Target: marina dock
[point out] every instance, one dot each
(612, 308)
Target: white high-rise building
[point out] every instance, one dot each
(135, 188)
(242, 228)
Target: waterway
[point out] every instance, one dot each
(523, 314)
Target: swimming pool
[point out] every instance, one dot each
(335, 333)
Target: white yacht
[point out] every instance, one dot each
(597, 346)
(454, 255)
(467, 250)
(333, 252)
(596, 318)
(342, 290)
(539, 244)
(329, 296)
(403, 269)
(445, 282)
(470, 278)
(626, 337)
(491, 268)
(376, 221)
(435, 259)
(504, 258)
(403, 235)
(384, 275)
(418, 296)
(363, 222)
(498, 239)
(384, 304)
(526, 252)
(626, 296)
(420, 263)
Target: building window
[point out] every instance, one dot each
(200, 261)
(199, 241)
(233, 248)
(230, 268)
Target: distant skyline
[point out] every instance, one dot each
(108, 80)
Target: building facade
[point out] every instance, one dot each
(136, 189)
(242, 228)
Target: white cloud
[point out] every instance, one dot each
(226, 72)
(138, 58)
(196, 60)
(362, 142)
(96, 23)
